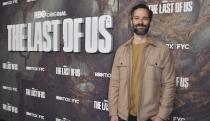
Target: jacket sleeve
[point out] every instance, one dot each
(168, 86)
(114, 87)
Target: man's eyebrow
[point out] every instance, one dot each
(142, 16)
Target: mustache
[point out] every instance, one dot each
(140, 25)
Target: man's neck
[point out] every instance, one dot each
(139, 39)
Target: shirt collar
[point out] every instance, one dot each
(150, 40)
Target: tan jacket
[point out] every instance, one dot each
(157, 83)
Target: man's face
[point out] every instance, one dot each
(140, 21)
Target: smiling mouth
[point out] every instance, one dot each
(140, 27)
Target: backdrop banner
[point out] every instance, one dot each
(56, 56)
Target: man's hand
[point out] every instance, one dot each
(156, 118)
(114, 118)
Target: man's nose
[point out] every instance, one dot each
(140, 20)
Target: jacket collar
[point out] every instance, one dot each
(150, 39)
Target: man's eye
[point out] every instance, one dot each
(145, 18)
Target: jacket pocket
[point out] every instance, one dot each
(123, 70)
(154, 69)
(155, 63)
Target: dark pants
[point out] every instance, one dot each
(132, 118)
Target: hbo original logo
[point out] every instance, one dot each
(40, 14)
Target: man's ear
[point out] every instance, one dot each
(131, 22)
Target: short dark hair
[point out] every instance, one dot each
(144, 6)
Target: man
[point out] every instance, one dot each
(142, 86)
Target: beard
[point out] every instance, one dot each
(140, 29)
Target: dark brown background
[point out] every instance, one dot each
(192, 104)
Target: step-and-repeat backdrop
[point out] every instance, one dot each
(56, 56)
